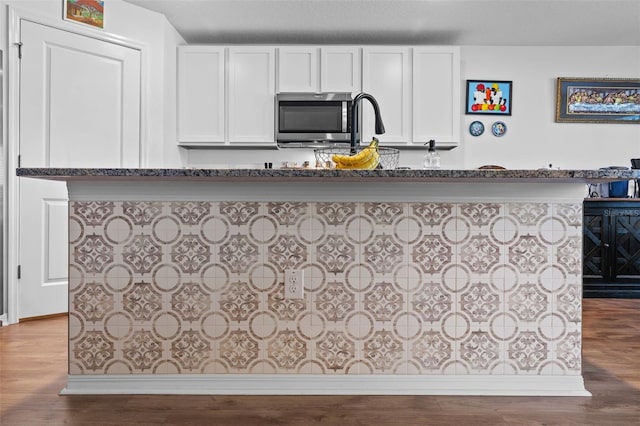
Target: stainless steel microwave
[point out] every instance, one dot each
(312, 119)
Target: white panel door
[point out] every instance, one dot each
(201, 111)
(436, 95)
(79, 107)
(298, 69)
(340, 69)
(251, 95)
(43, 248)
(386, 75)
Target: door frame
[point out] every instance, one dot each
(11, 149)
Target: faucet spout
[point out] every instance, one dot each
(379, 126)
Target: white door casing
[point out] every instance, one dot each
(79, 107)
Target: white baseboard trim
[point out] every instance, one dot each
(282, 384)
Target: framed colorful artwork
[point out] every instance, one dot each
(489, 97)
(88, 12)
(598, 100)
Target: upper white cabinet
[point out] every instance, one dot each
(319, 69)
(436, 95)
(201, 95)
(418, 90)
(386, 75)
(340, 69)
(298, 69)
(251, 83)
(226, 94)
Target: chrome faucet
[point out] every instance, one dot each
(355, 139)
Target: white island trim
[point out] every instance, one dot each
(311, 384)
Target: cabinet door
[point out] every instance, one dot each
(200, 95)
(594, 246)
(251, 95)
(387, 77)
(340, 69)
(298, 69)
(436, 95)
(626, 247)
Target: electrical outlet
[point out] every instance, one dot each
(293, 284)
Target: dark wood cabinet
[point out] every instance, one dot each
(611, 248)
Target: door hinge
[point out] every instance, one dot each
(19, 271)
(19, 44)
(19, 161)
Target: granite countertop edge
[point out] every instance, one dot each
(451, 175)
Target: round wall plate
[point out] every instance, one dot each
(476, 128)
(498, 128)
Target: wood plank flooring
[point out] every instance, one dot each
(33, 358)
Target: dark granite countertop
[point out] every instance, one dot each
(399, 175)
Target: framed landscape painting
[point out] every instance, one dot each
(489, 97)
(598, 100)
(88, 12)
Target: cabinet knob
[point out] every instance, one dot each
(606, 245)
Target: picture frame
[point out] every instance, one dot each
(598, 100)
(489, 97)
(86, 12)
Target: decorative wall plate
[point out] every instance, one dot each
(498, 128)
(476, 128)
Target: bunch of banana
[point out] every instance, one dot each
(367, 159)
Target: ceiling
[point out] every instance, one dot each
(445, 22)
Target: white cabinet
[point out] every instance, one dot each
(418, 90)
(232, 108)
(226, 95)
(319, 69)
(298, 69)
(201, 95)
(436, 95)
(340, 69)
(251, 83)
(386, 75)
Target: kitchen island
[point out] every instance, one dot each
(415, 281)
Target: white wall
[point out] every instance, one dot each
(161, 39)
(533, 138)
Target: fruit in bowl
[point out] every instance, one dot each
(367, 159)
(371, 157)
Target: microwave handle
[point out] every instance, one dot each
(345, 112)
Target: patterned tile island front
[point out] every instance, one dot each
(408, 289)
